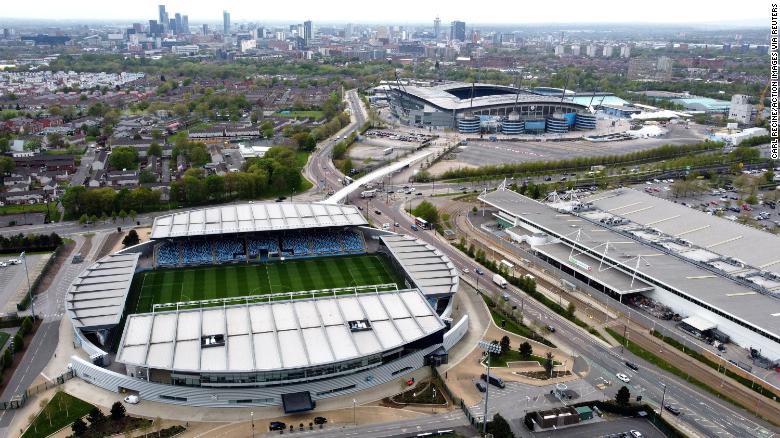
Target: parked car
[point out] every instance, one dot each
(277, 425)
(377, 212)
(320, 420)
(495, 381)
(623, 378)
(636, 433)
(481, 387)
(132, 399)
(551, 329)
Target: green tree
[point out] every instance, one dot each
(79, 427)
(117, 411)
(623, 396)
(505, 344)
(8, 358)
(18, 343)
(123, 158)
(131, 239)
(428, 212)
(526, 349)
(96, 416)
(570, 309)
(549, 363)
(500, 428)
(155, 149)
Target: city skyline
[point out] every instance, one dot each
(751, 13)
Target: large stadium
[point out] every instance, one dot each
(262, 304)
(472, 108)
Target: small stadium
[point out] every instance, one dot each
(251, 304)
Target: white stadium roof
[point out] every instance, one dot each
(278, 335)
(96, 298)
(252, 217)
(429, 268)
(440, 96)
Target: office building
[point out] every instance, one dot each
(436, 28)
(607, 52)
(177, 29)
(163, 18)
(307, 32)
(591, 51)
(458, 31)
(185, 25)
(225, 22)
(741, 110)
(205, 29)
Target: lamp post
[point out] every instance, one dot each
(663, 399)
(29, 288)
(252, 417)
(354, 406)
(495, 349)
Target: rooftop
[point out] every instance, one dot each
(278, 335)
(96, 298)
(253, 217)
(430, 270)
(726, 296)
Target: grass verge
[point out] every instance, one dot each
(62, 410)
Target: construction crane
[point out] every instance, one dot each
(760, 106)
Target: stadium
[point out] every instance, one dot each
(262, 304)
(473, 108)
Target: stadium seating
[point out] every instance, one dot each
(255, 246)
(229, 250)
(352, 242)
(168, 254)
(197, 252)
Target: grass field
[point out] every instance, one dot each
(237, 280)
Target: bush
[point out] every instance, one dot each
(78, 427)
(96, 416)
(117, 411)
(623, 396)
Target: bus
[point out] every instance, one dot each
(422, 223)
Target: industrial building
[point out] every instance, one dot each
(473, 108)
(720, 277)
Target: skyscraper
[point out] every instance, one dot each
(436, 29)
(458, 31)
(185, 25)
(178, 28)
(163, 18)
(307, 32)
(225, 22)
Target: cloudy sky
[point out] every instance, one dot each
(754, 12)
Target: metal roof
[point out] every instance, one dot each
(277, 335)
(440, 97)
(252, 217)
(96, 298)
(430, 270)
(753, 247)
(718, 292)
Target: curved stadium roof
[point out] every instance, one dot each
(252, 217)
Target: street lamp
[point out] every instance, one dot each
(29, 288)
(489, 347)
(663, 398)
(354, 406)
(252, 416)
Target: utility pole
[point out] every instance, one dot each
(489, 347)
(29, 288)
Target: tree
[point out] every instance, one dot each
(8, 358)
(43, 404)
(96, 416)
(131, 239)
(79, 427)
(123, 158)
(505, 344)
(64, 400)
(117, 411)
(428, 212)
(31, 419)
(570, 309)
(500, 428)
(549, 363)
(7, 165)
(623, 396)
(155, 149)
(18, 343)
(526, 349)
(157, 424)
(27, 325)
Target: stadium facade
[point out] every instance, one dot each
(262, 349)
(721, 279)
(473, 108)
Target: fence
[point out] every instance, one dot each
(18, 400)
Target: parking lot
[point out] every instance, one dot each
(13, 277)
(613, 428)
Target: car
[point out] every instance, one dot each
(623, 378)
(132, 399)
(635, 433)
(672, 409)
(396, 224)
(410, 381)
(277, 425)
(14, 262)
(465, 270)
(481, 387)
(493, 380)
(550, 329)
(632, 365)
(320, 420)
(418, 194)
(377, 212)
(479, 271)
(548, 178)
(386, 226)
(414, 227)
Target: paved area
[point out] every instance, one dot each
(604, 429)
(13, 280)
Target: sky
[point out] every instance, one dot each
(403, 11)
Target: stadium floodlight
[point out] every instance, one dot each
(493, 348)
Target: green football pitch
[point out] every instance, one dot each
(238, 280)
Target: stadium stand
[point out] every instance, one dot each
(256, 246)
(168, 254)
(228, 250)
(197, 252)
